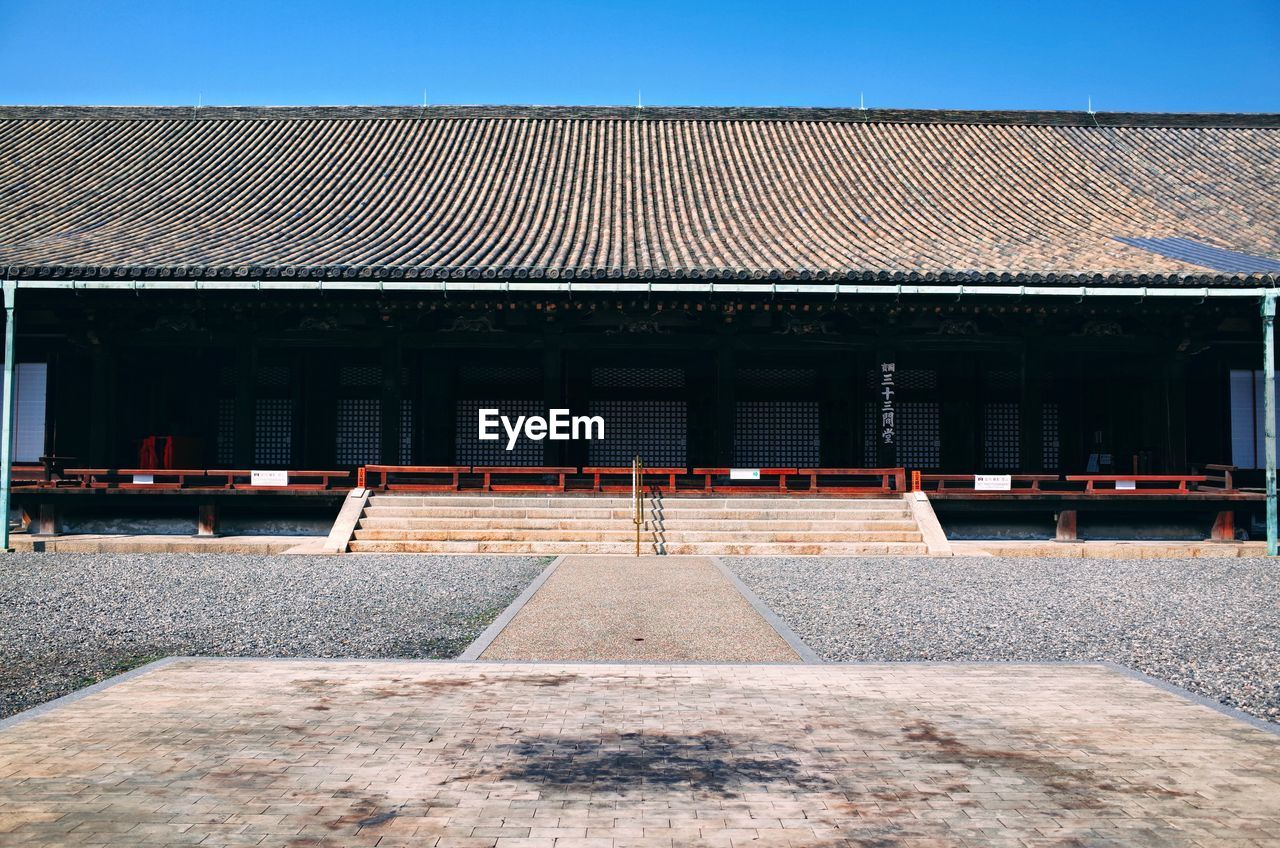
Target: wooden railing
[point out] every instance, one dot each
(1139, 484)
(464, 478)
(196, 478)
(967, 482)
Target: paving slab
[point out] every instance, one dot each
(386, 753)
(652, 608)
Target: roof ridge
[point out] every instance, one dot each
(652, 113)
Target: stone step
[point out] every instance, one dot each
(726, 536)
(576, 501)
(797, 549)
(700, 549)
(377, 511)
(561, 523)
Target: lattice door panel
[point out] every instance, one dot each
(358, 439)
(407, 420)
(776, 434)
(870, 435)
(273, 432)
(1052, 428)
(469, 450)
(919, 434)
(1001, 436)
(225, 437)
(655, 430)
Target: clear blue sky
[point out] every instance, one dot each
(1159, 55)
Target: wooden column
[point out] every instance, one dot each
(48, 524)
(437, 412)
(1031, 411)
(103, 400)
(392, 395)
(207, 519)
(1224, 526)
(1067, 531)
(553, 396)
(1175, 395)
(838, 419)
(725, 411)
(317, 436)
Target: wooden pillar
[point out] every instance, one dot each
(438, 404)
(553, 394)
(1031, 411)
(317, 436)
(1175, 411)
(838, 420)
(725, 411)
(1224, 526)
(207, 519)
(48, 523)
(1067, 531)
(245, 410)
(392, 395)
(576, 368)
(103, 397)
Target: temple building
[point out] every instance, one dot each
(954, 293)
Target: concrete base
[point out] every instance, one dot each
(1111, 550)
(120, 544)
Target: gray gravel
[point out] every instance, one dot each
(68, 620)
(1210, 626)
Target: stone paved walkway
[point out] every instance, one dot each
(294, 753)
(665, 609)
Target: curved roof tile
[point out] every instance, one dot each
(614, 193)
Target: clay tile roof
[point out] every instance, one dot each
(574, 193)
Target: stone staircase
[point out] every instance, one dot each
(596, 524)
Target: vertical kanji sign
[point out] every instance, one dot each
(887, 392)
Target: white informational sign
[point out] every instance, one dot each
(268, 478)
(144, 479)
(1126, 484)
(992, 483)
(744, 473)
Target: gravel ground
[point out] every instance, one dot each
(68, 620)
(1210, 626)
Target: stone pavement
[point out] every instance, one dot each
(323, 753)
(656, 608)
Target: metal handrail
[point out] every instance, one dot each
(637, 497)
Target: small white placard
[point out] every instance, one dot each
(268, 478)
(144, 479)
(992, 482)
(744, 473)
(1126, 484)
